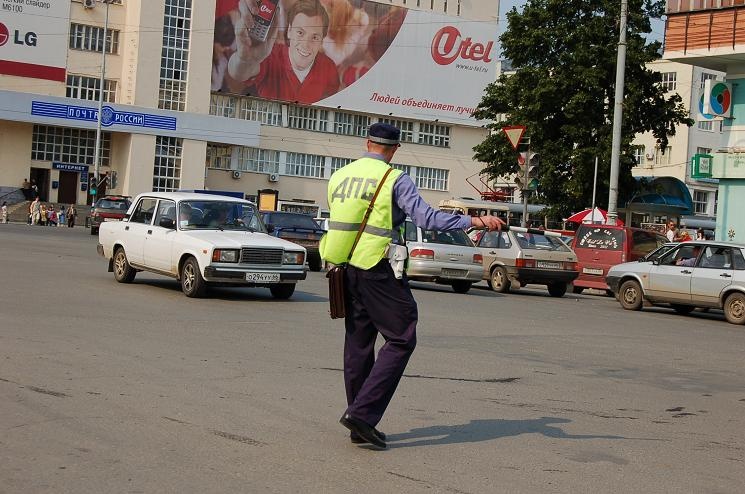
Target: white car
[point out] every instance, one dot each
(200, 239)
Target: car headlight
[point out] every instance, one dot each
(225, 255)
(293, 258)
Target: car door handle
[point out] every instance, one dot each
(126, 228)
(725, 275)
(492, 252)
(685, 271)
(149, 232)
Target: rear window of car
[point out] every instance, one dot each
(291, 221)
(540, 242)
(451, 237)
(599, 238)
(121, 204)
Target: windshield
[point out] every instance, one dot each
(291, 220)
(540, 242)
(219, 215)
(450, 237)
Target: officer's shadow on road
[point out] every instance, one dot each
(485, 430)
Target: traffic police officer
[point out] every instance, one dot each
(377, 302)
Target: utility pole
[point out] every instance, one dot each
(615, 157)
(102, 82)
(524, 222)
(594, 189)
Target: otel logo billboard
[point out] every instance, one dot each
(448, 45)
(4, 34)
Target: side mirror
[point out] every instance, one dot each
(656, 262)
(168, 223)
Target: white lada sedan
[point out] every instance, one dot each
(200, 239)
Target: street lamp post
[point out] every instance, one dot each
(617, 118)
(102, 83)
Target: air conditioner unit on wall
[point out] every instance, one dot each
(274, 177)
(236, 174)
(89, 4)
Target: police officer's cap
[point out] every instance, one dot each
(383, 133)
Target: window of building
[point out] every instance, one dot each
(66, 145)
(404, 168)
(706, 125)
(266, 112)
(700, 202)
(167, 170)
(84, 87)
(174, 56)
(639, 155)
(669, 81)
(705, 76)
(432, 178)
(661, 158)
(90, 38)
(406, 127)
(434, 134)
(258, 160)
(305, 165)
(307, 118)
(700, 150)
(219, 156)
(351, 124)
(222, 105)
(337, 163)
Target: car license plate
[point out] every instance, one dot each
(111, 219)
(548, 264)
(454, 273)
(596, 271)
(262, 277)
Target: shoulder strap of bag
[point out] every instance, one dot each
(367, 213)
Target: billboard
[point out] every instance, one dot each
(356, 55)
(33, 38)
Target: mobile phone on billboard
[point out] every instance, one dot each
(263, 19)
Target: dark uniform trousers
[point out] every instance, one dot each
(376, 303)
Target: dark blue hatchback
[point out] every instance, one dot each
(298, 228)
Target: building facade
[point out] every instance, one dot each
(703, 138)
(174, 117)
(708, 34)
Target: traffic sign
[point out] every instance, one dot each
(514, 133)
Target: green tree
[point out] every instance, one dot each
(563, 53)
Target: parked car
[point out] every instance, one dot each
(108, 208)
(599, 247)
(298, 228)
(447, 257)
(200, 239)
(513, 259)
(689, 275)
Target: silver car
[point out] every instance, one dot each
(689, 275)
(516, 258)
(447, 257)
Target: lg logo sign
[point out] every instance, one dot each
(28, 39)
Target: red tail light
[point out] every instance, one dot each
(423, 254)
(570, 266)
(478, 259)
(525, 263)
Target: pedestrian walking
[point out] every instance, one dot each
(377, 299)
(26, 189)
(72, 214)
(61, 216)
(43, 214)
(4, 212)
(35, 211)
(51, 216)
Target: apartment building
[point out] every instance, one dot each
(175, 117)
(703, 138)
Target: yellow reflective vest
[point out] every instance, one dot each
(351, 189)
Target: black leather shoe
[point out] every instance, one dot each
(358, 440)
(363, 430)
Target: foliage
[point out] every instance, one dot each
(563, 53)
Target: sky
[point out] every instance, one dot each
(658, 27)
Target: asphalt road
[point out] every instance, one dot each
(107, 387)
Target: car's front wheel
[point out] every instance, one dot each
(94, 231)
(734, 308)
(282, 291)
(577, 289)
(461, 286)
(192, 282)
(557, 289)
(499, 280)
(123, 272)
(630, 295)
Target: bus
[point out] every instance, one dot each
(510, 212)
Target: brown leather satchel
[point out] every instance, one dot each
(335, 275)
